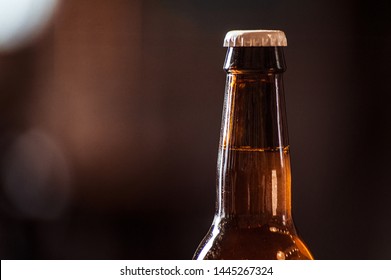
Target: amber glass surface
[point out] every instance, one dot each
(255, 222)
(253, 208)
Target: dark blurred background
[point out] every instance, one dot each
(110, 116)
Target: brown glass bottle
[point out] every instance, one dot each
(253, 209)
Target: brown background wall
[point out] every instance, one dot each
(109, 126)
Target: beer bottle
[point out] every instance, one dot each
(253, 209)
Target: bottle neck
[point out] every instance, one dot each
(254, 178)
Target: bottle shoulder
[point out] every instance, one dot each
(267, 241)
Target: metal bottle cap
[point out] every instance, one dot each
(255, 38)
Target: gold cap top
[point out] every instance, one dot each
(255, 38)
